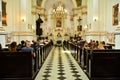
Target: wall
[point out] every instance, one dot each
(101, 10)
(20, 21)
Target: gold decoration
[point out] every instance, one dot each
(59, 11)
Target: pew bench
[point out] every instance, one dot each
(103, 64)
(16, 66)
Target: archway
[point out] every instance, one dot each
(52, 23)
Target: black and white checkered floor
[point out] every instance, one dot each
(60, 65)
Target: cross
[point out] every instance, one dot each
(79, 19)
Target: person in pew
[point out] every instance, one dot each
(86, 45)
(97, 43)
(37, 45)
(21, 45)
(51, 41)
(13, 47)
(0, 47)
(28, 48)
(101, 45)
(95, 46)
(33, 44)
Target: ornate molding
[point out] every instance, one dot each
(2, 29)
(38, 7)
(84, 13)
(41, 14)
(118, 29)
(80, 8)
(37, 10)
(96, 33)
(22, 33)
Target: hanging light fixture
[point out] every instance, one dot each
(59, 11)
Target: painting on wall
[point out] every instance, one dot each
(115, 14)
(4, 20)
(39, 2)
(58, 23)
(79, 2)
(111, 37)
(0, 16)
(79, 28)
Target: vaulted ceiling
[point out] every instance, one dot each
(68, 4)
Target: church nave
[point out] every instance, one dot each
(60, 65)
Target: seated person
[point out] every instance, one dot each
(21, 45)
(0, 47)
(101, 45)
(28, 48)
(86, 45)
(13, 47)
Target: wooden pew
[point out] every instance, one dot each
(103, 64)
(16, 66)
(19, 65)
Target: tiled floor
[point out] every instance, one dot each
(60, 65)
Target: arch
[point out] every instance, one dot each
(44, 1)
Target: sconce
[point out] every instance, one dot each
(85, 27)
(95, 19)
(23, 19)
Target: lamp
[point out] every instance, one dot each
(23, 19)
(59, 11)
(95, 19)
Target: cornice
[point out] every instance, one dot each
(22, 33)
(2, 29)
(80, 8)
(96, 33)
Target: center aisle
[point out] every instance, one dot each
(60, 65)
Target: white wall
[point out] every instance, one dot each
(16, 11)
(102, 10)
(2, 39)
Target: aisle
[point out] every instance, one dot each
(60, 65)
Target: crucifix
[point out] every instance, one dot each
(79, 27)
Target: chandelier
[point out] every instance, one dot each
(59, 11)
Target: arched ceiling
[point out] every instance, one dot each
(48, 4)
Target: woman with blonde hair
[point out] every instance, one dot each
(101, 45)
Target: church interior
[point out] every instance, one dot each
(59, 40)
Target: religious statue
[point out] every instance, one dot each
(38, 24)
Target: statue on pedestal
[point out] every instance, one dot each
(38, 24)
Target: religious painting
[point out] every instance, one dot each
(4, 20)
(79, 28)
(79, 2)
(115, 14)
(58, 23)
(111, 37)
(0, 16)
(39, 2)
